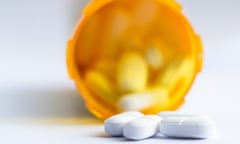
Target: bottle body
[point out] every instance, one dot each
(133, 55)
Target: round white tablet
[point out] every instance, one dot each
(114, 125)
(142, 127)
(187, 127)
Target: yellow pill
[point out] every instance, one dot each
(101, 86)
(154, 58)
(161, 96)
(143, 100)
(176, 70)
(107, 67)
(132, 72)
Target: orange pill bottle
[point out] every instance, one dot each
(133, 55)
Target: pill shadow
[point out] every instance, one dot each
(158, 138)
(42, 102)
(104, 135)
(119, 139)
(162, 137)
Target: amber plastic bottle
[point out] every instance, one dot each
(132, 47)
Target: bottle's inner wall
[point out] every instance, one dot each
(140, 40)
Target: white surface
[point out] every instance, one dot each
(34, 82)
(87, 134)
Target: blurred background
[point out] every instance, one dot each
(33, 75)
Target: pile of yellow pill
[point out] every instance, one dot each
(131, 59)
(125, 82)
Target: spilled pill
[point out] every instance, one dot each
(187, 127)
(142, 127)
(114, 125)
(136, 126)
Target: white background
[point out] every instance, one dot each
(35, 89)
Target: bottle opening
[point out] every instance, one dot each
(134, 55)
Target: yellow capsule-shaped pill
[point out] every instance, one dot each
(101, 86)
(154, 58)
(107, 67)
(176, 77)
(161, 96)
(132, 72)
(176, 70)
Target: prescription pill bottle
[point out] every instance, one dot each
(133, 55)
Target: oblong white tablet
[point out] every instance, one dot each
(142, 127)
(136, 101)
(114, 125)
(141, 100)
(187, 127)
